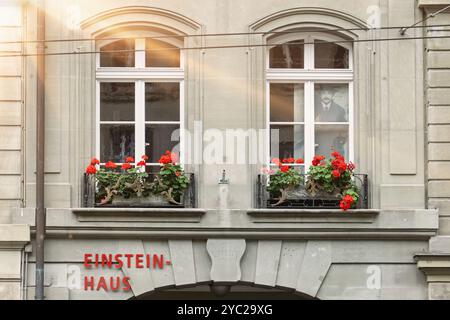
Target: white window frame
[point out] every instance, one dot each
(140, 75)
(309, 76)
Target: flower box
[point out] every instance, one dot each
(329, 183)
(129, 185)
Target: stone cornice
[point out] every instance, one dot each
(436, 266)
(138, 215)
(432, 3)
(246, 224)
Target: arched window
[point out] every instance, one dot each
(309, 95)
(140, 81)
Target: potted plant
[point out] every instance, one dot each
(171, 181)
(284, 180)
(333, 178)
(327, 180)
(129, 185)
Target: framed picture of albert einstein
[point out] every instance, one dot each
(331, 117)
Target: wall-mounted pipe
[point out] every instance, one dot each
(40, 152)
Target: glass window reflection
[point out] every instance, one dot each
(330, 56)
(288, 55)
(116, 142)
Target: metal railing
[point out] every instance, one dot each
(306, 201)
(90, 196)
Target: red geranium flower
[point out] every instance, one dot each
(347, 202)
(338, 156)
(144, 157)
(342, 166)
(336, 174)
(168, 157)
(91, 169)
(95, 161)
(300, 161)
(165, 159)
(345, 205)
(284, 169)
(126, 166)
(129, 160)
(348, 198)
(141, 164)
(317, 160)
(110, 165)
(289, 160)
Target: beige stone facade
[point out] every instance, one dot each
(401, 131)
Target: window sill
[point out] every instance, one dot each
(312, 216)
(167, 215)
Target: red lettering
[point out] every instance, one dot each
(102, 284)
(107, 260)
(118, 259)
(87, 260)
(158, 261)
(89, 282)
(139, 261)
(96, 260)
(129, 256)
(114, 283)
(126, 283)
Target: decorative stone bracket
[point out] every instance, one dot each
(226, 257)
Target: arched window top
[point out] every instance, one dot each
(160, 54)
(288, 55)
(119, 53)
(140, 49)
(309, 51)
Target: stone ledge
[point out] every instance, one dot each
(167, 215)
(436, 266)
(428, 3)
(14, 235)
(212, 223)
(312, 216)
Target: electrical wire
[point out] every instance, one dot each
(201, 48)
(223, 34)
(434, 14)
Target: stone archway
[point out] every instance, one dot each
(235, 292)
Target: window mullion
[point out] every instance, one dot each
(309, 123)
(140, 53)
(351, 122)
(97, 120)
(140, 120)
(182, 120)
(309, 53)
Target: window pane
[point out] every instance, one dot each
(116, 101)
(287, 141)
(330, 56)
(158, 139)
(118, 59)
(162, 101)
(161, 54)
(331, 102)
(287, 102)
(287, 55)
(332, 137)
(116, 142)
